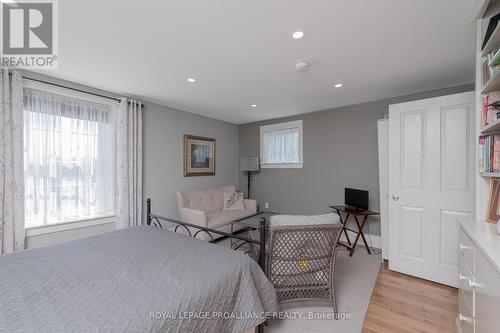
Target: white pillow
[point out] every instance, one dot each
(233, 201)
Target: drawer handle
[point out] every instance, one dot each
(461, 317)
(471, 283)
(465, 247)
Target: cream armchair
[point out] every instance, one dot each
(203, 207)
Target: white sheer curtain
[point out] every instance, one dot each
(69, 156)
(11, 163)
(129, 163)
(281, 146)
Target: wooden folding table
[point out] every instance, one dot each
(359, 233)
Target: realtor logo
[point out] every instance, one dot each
(29, 33)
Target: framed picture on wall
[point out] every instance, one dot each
(493, 212)
(199, 156)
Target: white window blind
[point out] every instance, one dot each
(281, 145)
(68, 158)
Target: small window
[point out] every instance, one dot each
(281, 145)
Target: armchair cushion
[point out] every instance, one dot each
(193, 216)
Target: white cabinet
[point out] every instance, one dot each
(487, 293)
(479, 275)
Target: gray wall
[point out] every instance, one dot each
(163, 148)
(163, 130)
(340, 150)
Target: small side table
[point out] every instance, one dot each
(359, 233)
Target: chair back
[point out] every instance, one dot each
(205, 199)
(302, 255)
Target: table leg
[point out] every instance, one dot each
(344, 223)
(360, 233)
(365, 219)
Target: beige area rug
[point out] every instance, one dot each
(355, 279)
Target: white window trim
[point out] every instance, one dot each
(281, 126)
(69, 225)
(83, 222)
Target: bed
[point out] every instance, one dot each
(142, 279)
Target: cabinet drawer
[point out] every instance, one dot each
(486, 296)
(465, 320)
(466, 293)
(464, 325)
(467, 251)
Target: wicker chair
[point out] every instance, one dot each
(302, 257)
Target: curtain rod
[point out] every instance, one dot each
(75, 89)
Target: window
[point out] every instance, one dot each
(281, 145)
(68, 156)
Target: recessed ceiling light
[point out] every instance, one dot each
(338, 85)
(191, 80)
(254, 105)
(298, 34)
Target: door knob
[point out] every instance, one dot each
(464, 247)
(395, 197)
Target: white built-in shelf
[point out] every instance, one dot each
(493, 84)
(493, 43)
(490, 175)
(491, 128)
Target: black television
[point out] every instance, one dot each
(356, 199)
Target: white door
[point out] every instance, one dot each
(431, 184)
(383, 171)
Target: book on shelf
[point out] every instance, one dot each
(491, 108)
(494, 61)
(481, 153)
(489, 153)
(490, 66)
(495, 160)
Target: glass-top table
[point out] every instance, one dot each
(253, 221)
(251, 224)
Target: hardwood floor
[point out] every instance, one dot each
(405, 304)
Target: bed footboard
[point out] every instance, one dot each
(156, 220)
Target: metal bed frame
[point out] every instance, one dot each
(154, 220)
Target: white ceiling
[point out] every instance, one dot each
(241, 52)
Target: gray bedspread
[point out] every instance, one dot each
(141, 279)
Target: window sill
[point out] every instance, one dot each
(282, 165)
(64, 226)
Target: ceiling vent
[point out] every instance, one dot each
(302, 66)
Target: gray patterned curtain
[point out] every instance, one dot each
(11, 163)
(129, 163)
